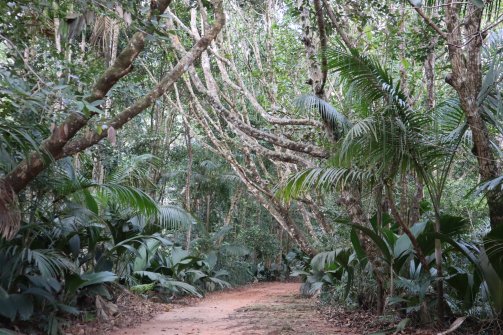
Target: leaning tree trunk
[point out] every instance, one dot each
(62, 142)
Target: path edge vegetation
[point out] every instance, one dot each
(353, 160)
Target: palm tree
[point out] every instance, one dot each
(391, 139)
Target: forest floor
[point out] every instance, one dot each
(272, 308)
(264, 308)
(258, 309)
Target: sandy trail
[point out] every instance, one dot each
(265, 308)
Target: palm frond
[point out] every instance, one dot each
(69, 184)
(491, 185)
(363, 128)
(366, 76)
(448, 114)
(166, 282)
(173, 217)
(15, 141)
(320, 179)
(135, 171)
(47, 262)
(337, 121)
(129, 197)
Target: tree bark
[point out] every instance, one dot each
(337, 25)
(60, 143)
(316, 77)
(466, 79)
(188, 178)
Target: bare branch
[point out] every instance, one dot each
(429, 21)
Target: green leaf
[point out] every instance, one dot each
(145, 252)
(464, 284)
(7, 309)
(379, 241)
(403, 246)
(74, 244)
(493, 244)
(220, 282)
(35, 291)
(3, 294)
(402, 324)
(97, 278)
(68, 309)
(91, 203)
(453, 225)
(355, 241)
(72, 284)
(21, 304)
(92, 108)
(493, 281)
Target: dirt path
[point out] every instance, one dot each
(266, 308)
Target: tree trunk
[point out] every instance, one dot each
(228, 218)
(188, 178)
(307, 222)
(351, 200)
(60, 143)
(208, 212)
(466, 78)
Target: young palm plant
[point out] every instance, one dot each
(89, 234)
(390, 139)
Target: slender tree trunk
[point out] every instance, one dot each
(208, 212)
(307, 222)
(316, 74)
(338, 25)
(396, 215)
(429, 71)
(280, 240)
(415, 210)
(351, 200)
(188, 179)
(440, 275)
(57, 27)
(228, 218)
(404, 199)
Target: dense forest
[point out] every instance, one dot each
(174, 148)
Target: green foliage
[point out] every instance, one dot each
(116, 212)
(489, 274)
(260, 241)
(327, 268)
(100, 233)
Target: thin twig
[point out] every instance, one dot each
(428, 20)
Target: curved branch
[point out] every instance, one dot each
(52, 147)
(428, 21)
(165, 84)
(266, 136)
(336, 25)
